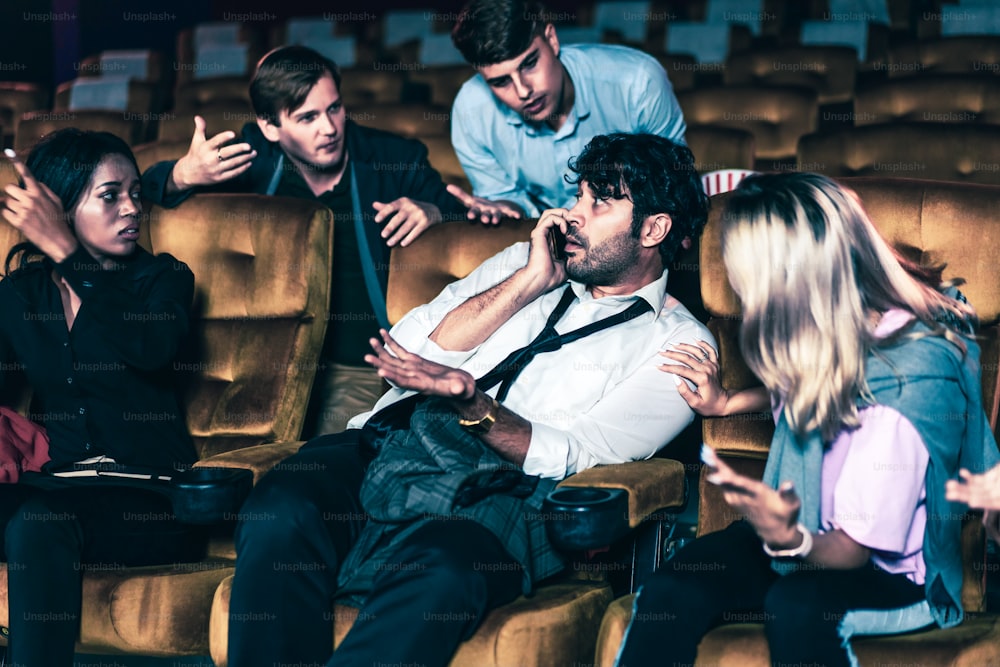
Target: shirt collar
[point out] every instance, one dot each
(652, 293)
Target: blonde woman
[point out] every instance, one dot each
(875, 380)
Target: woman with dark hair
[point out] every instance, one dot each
(93, 322)
(868, 360)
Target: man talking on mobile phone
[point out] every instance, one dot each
(529, 369)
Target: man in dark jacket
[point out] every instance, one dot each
(380, 187)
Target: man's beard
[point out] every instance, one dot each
(604, 264)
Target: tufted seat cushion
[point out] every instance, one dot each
(829, 70)
(776, 115)
(36, 124)
(715, 147)
(942, 98)
(966, 153)
(972, 644)
(559, 620)
(954, 54)
(262, 280)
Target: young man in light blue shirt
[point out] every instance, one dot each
(534, 105)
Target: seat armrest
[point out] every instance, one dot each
(259, 459)
(653, 485)
(599, 506)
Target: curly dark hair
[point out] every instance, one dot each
(656, 174)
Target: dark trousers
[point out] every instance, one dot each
(57, 529)
(726, 577)
(294, 532)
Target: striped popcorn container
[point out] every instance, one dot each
(723, 180)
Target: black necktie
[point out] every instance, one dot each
(397, 415)
(550, 340)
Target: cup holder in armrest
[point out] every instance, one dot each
(582, 518)
(209, 495)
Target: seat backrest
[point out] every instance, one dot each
(363, 85)
(197, 93)
(937, 98)
(410, 120)
(934, 222)
(18, 98)
(444, 254)
(444, 81)
(441, 155)
(965, 153)
(716, 147)
(961, 53)
(776, 115)
(219, 116)
(148, 154)
(830, 70)
(681, 69)
(37, 124)
(262, 269)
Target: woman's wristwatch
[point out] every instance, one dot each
(800, 551)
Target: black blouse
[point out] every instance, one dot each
(108, 385)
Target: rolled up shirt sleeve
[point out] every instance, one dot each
(414, 330)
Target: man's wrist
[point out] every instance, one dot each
(176, 181)
(482, 419)
(529, 287)
(473, 407)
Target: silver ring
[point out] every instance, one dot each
(220, 156)
(704, 359)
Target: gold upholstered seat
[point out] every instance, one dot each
(262, 278)
(933, 98)
(558, 625)
(962, 152)
(776, 115)
(829, 70)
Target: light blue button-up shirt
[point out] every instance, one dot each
(617, 89)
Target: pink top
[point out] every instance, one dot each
(873, 483)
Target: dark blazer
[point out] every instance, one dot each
(386, 166)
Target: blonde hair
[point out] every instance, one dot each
(810, 269)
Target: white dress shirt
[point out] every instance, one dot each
(598, 400)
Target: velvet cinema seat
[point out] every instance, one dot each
(927, 220)
(559, 624)
(262, 280)
(830, 70)
(936, 98)
(962, 152)
(776, 115)
(36, 124)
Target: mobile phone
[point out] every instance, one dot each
(12, 156)
(557, 243)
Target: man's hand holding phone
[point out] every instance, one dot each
(546, 261)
